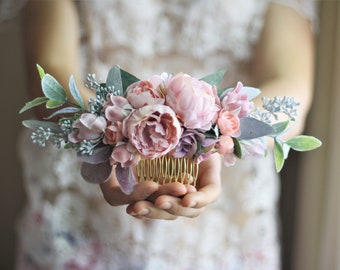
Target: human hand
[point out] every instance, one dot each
(168, 201)
(175, 199)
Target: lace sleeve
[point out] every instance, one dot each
(307, 8)
(10, 8)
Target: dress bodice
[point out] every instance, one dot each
(195, 37)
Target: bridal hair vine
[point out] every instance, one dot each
(162, 127)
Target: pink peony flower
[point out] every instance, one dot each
(88, 127)
(116, 108)
(113, 133)
(193, 100)
(153, 130)
(228, 123)
(147, 92)
(235, 102)
(125, 154)
(225, 145)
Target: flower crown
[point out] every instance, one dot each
(129, 120)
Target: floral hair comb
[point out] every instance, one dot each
(161, 127)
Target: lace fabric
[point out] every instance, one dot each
(67, 224)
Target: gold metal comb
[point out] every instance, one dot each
(166, 169)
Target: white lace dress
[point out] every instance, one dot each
(68, 225)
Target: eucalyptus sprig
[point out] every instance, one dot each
(55, 96)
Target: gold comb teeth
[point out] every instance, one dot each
(166, 169)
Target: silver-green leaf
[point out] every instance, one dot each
(51, 104)
(33, 103)
(52, 88)
(75, 92)
(278, 155)
(64, 111)
(304, 143)
(215, 78)
(252, 128)
(35, 124)
(41, 71)
(114, 79)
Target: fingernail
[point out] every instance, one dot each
(143, 212)
(192, 204)
(165, 206)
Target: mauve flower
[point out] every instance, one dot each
(116, 108)
(187, 145)
(153, 130)
(113, 133)
(125, 154)
(235, 102)
(148, 92)
(88, 127)
(193, 100)
(228, 123)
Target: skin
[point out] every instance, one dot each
(285, 53)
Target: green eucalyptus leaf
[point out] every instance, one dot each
(280, 127)
(41, 71)
(127, 79)
(35, 124)
(52, 88)
(237, 148)
(278, 155)
(75, 92)
(304, 143)
(64, 111)
(114, 79)
(33, 103)
(51, 104)
(215, 78)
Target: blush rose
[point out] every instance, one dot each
(148, 92)
(228, 123)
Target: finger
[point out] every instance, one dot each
(175, 207)
(145, 209)
(174, 189)
(203, 197)
(115, 196)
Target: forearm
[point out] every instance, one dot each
(284, 61)
(51, 39)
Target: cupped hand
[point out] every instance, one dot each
(171, 200)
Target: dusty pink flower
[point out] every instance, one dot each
(87, 127)
(229, 160)
(116, 108)
(125, 154)
(153, 130)
(146, 92)
(228, 123)
(254, 148)
(225, 145)
(238, 103)
(193, 100)
(113, 133)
